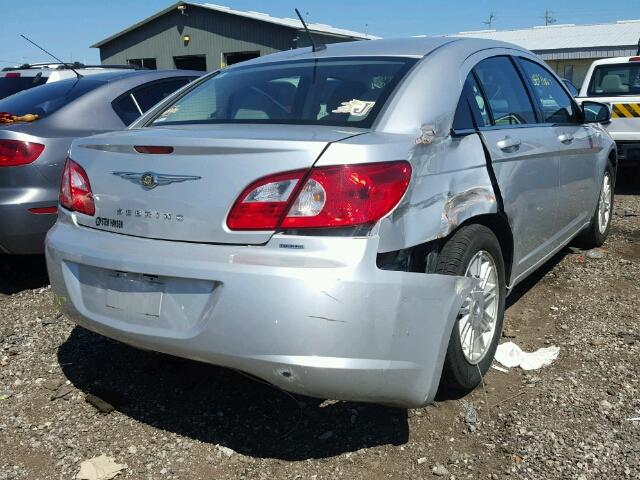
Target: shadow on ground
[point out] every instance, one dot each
(220, 406)
(22, 272)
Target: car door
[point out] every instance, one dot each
(573, 145)
(525, 168)
(132, 104)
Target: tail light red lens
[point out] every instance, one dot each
(328, 197)
(262, 204)
(16, 152)
(75, 189)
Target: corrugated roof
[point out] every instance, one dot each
(624, 33)
(288, 22)
(262, 17)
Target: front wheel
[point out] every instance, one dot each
(474, 251)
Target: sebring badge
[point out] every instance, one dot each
(150, 180)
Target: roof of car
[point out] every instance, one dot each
(615, 60)
(396, 47)
(114, 75)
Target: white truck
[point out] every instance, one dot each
(616, 82)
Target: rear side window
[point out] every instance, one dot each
(11, 84)
(617, 79)
(46, 99)
(508, 99)
(472, 109)
(135, 102)
(556, 105)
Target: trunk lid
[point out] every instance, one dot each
(197, 183)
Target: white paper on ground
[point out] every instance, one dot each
(99, 468)
(511, 355)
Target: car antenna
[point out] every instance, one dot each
(66, 64)
(314, 47)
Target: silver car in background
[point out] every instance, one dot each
(343, 223)
(33, 148)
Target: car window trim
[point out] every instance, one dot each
(530, 87)
(135, 102)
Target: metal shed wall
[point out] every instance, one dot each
(211, 34)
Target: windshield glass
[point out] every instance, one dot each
(339, 92)
(619, 79)
(46, 99)
(11, 85)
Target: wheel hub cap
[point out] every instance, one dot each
(478, 315)
(604, 204)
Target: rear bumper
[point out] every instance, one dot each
(22, 232)
(318, 319)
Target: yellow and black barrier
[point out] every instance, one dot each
(625, 110)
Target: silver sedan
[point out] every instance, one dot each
(345, 223)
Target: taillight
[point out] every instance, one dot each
(12, 75)
(634, 59)
(16, 152)
(331, 196)
(75, 189)
(262, 204)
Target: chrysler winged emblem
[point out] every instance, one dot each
(150, 180)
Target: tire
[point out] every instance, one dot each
(594, 236)
(463, 371)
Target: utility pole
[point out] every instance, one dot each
(489, 22)
(548, 19)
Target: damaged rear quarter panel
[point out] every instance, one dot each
(449, 183)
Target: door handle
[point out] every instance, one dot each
(565, 138)
(508, 144)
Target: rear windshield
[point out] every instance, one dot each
(11, 85)
(46, 99)
(612, 80)
(329, 91)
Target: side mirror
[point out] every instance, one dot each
(595, 112)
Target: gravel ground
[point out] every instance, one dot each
(175, 419)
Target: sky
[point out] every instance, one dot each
(67, 28)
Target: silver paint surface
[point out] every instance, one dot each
(313, 314)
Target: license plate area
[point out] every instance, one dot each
(136, 293)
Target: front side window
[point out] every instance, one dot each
(506, 94)
(339, 92)
(617, 79)
(556, 105)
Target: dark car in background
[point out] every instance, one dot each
(36, 130)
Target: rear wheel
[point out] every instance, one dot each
(474, 252)
(596, 233)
